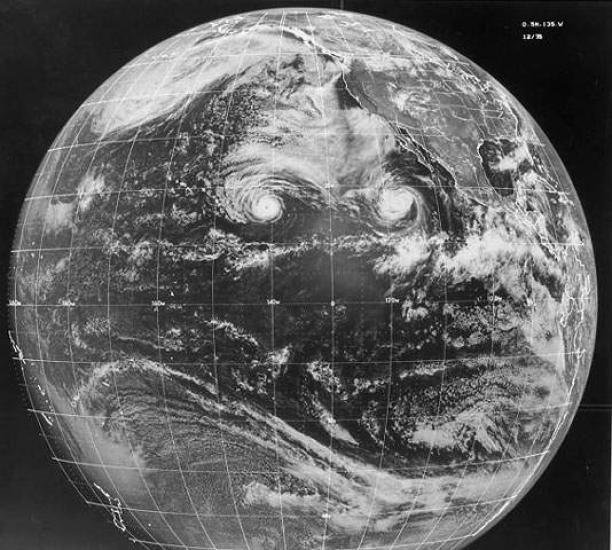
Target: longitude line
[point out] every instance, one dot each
(442, 382)
(331, 262)
(57, 181)
(390, 361)
(23, 360)
(185, 109)
(162, 81)
(272, 297)
(560, 422)
(99, 143)
(214, 344)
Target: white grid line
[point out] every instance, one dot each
(560, 423)
(36, 287)
(549, 355)
(298, 516)
(108, 279)
(507, 447)
(399, 546)
(208, 134)
(396, 540)
(272, 296)
(331, 261)
(390, 361)
(212, 274)
(522, 458)
(526, 243)
(157, 273)
(230, 185)
(298, 420)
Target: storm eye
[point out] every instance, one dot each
(397, 204)
(266, 208)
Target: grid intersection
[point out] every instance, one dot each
(358, 438)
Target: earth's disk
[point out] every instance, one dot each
(303, 279)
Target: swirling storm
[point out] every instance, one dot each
(303, 279)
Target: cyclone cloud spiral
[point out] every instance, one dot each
(303, 279)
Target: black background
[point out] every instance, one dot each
(53, 54)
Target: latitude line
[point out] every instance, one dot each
(383, 362)
(520, 458)
(299, 420)
(292, 516)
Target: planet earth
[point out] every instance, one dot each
(300, 279)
